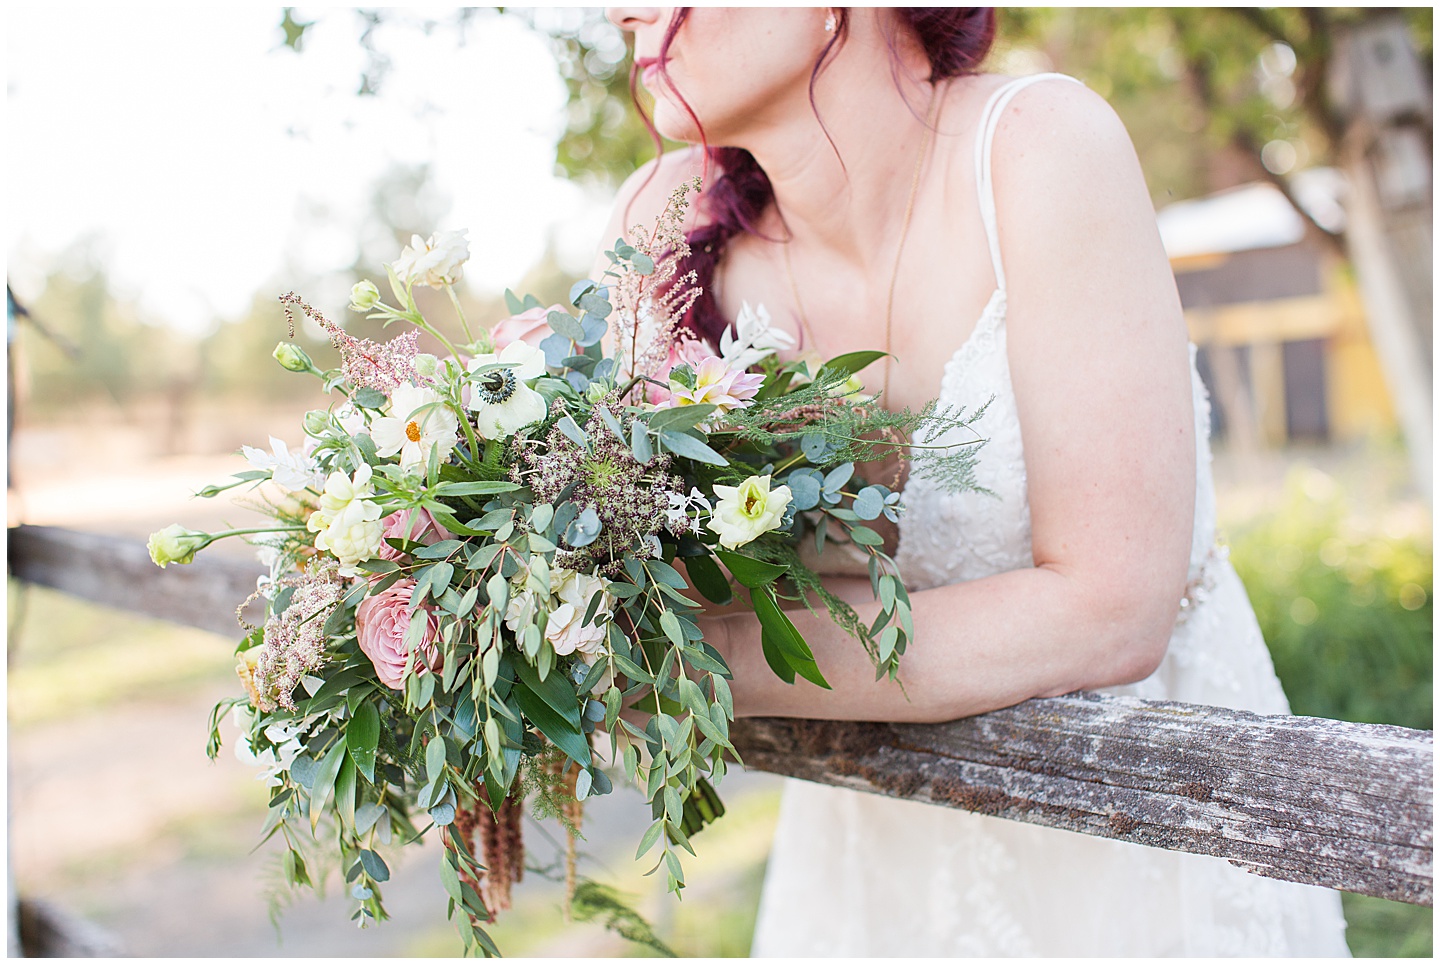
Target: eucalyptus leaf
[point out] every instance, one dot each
(368, 398)
(585, 529)
(691, 448)
(573, 432)
(556, 348)
(593, 329)
(804, 489)
(374, 865)
(566, 325)
(362, 736)
(869, 503)
(640, 446)
(580, 288)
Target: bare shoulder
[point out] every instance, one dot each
(1058, 134)
(643, 195)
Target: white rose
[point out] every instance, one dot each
(435, 261)
(744, 512)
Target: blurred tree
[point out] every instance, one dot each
(106, 353)
(604, 140)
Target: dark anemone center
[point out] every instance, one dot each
(495, 387)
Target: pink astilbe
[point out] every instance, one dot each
(372, 365)
(651, 306)
(295, 639)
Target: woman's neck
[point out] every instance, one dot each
(851, 197)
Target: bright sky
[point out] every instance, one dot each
(214, 165)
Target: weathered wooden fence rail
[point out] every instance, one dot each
(1325, 802)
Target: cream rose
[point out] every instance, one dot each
(564, 630)
(354, 534)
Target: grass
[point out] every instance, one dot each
(68, 656)
(1388, 929)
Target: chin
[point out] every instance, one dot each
(674, 122)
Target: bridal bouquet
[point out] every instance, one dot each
(478, 561)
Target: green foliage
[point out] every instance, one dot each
(1388, 929)
(1345, 607)
(593, 900)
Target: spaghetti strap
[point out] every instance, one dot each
(989, 121)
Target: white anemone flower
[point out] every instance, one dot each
(503, 402)
(290, 470)
(753, 339)
(418, 423)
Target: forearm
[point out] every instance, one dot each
(979, 646)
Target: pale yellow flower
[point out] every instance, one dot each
(746, 511)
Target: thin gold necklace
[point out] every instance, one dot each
(899, 249)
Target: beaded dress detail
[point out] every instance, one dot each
(858, 874)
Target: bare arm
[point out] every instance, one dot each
(1099, 367)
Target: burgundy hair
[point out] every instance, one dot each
(955, 41)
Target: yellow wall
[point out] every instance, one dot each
(1357, 397)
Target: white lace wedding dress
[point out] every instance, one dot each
(855, 874)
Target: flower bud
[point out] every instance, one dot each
(427, 366)
(176, 544)
(293, 357)
(316, 422)
(364, 296)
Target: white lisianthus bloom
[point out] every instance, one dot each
(364, 295)
(418, 422)
(341, 490)
(434, 261)
(353, 534)
(753, 338)
(290, 470)
(502, 401)
(744, 512)
(176, 544)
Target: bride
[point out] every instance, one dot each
(995, 236)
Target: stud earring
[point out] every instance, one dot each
(830, 22)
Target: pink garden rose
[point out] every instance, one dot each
(529, 326)
(415, 525)
(380, 624)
